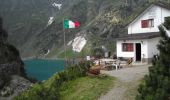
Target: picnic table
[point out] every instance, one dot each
(111, 63)
(118, 64)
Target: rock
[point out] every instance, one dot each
(16, 86)
(10, 66)
(3, 33)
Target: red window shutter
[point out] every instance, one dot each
(130, 47)
(144, 23)
(127, 47)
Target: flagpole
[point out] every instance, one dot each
(76, 24)
(65, 57)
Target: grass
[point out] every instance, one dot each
(132, 90)
(53, 53)
(69, 53)
(86, 88)
(60, 53)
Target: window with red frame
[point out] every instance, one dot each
(147, 23)
(127, 47)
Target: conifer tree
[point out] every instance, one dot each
(156, 85)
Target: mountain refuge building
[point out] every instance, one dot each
(140, 43)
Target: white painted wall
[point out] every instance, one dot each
(120, 52)
(153, 12)
(152, 47)
(144, 49)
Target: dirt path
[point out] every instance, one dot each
(128, 80)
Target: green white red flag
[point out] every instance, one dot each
(70, 24)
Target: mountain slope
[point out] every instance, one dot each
(101, 22)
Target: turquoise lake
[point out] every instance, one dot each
(43, 69)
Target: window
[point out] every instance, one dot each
(144, 23)
(127, 47)
(151, 22)
(147, 23)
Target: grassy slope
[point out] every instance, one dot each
(86, 51)
(58, 53)
(86, 88)
(83, 88)
(99, 41)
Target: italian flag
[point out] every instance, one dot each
(71, 24)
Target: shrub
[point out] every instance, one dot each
(50, 89)
(157, 84)
(98, 52)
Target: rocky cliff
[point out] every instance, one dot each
(10, 61)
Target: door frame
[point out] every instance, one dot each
(136, 52)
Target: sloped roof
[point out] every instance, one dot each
(160, 4)
(139, 36)
(163, 5)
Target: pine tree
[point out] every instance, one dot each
(156, 85)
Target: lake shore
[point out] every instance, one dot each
(30, 58)
(41, 58)
(42, 69)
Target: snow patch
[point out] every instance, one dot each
(47, 52)
(78, 43)
(69, 43)
(57, 5)
(50, 21)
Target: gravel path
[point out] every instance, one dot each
(128, 80)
